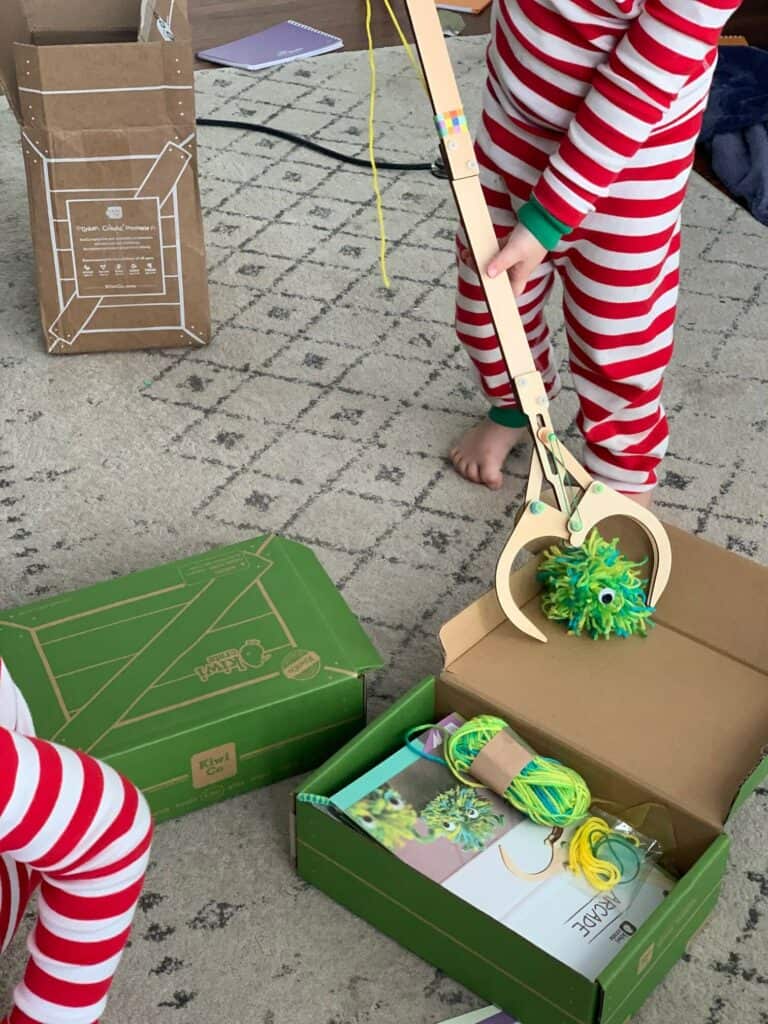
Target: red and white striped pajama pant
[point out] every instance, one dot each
(620, 277)
(74, 829)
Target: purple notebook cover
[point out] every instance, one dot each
(277, 45)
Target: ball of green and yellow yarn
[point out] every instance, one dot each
(594, 589)
(548, 792)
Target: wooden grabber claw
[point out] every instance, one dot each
(579, 502)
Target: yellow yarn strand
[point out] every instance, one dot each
(584, 854)
(371, 148)
(408, 49)
(372, 123)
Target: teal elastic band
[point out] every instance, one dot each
(508, 416)
(420, 751)
(314, 799)
(545, 228)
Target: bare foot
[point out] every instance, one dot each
(644, 498)
(481, 452)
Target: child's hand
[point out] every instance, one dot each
(520, 256)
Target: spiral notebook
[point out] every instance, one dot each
(290, 40)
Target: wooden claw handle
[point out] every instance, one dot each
(460, 160)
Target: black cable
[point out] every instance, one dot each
(316, 147)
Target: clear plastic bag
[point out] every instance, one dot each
(608, 854)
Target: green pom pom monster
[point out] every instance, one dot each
(462, 816)
(387, 816)
(594, 590)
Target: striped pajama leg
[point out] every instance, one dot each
(17, 886)
(620, 273)
(74, 828)
(474, 327)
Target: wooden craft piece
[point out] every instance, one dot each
(577, 510)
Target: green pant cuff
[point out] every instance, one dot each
(508, 416)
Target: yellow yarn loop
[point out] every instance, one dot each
(371, 149)
(584, 854)
(546, 791)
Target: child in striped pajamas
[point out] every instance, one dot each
(590, 116)
(73, 828)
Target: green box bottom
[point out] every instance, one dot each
(471, 947)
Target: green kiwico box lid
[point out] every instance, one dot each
(247, 646)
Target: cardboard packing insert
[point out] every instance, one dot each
(672, 728)
(108, 138)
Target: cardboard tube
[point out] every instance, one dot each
(500, 761)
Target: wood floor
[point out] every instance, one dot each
(220, 21)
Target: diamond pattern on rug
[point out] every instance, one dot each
(324, 409)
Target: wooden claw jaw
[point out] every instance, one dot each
(555, 865)
(600, 503)
(536, 522)
(539, 522)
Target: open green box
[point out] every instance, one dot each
(200, 679)
(679, 719)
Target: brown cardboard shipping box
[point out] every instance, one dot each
(670, 732)
(108, 136)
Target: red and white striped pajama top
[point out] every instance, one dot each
(590, 116)
(76, 830)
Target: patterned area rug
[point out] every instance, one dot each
(323, 410)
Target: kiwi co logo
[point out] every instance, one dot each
(301, 665)
(250, 655)
(211, 767)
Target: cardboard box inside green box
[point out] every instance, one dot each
(679, 720)
(199, 679)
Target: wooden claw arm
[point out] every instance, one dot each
(459, 155)
(550, 461)
(460, 160)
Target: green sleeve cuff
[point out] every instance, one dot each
(508, 416)
(545, 228)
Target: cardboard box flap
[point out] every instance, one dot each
(51, 21)
(75, 89)
(331, 609)
(14, 27)
(717, 597)
(683, 712)
(76, 16)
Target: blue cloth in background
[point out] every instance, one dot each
(735, 129)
